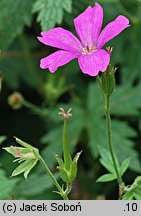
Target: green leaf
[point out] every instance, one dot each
(125, 101)
(51, 12)
(14, 15)
(67, 5)
(106, 160)
(36, 184)
(106, 178)
(108, 1)
(7, 186)
(124, 166)
(137, 194)
(19, 61)
(2, 139)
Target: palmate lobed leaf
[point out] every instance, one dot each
(36, 184)
(107, 162)
(7, 186)
(125, 100)
(15, 69)
(51, 12)
(14, 15)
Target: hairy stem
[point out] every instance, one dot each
(106, 101)
(109, 135)
(61, 192)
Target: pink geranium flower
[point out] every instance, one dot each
(91, 57)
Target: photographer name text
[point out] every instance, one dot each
(53, 207)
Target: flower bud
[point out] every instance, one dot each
(16, 100)
(108, 80)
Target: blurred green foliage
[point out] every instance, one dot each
(20, 23)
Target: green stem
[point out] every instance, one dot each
(106, 101)
(38, 110)
(109, 134)
(61, 192)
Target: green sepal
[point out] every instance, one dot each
(64, 173)
(60, 161)
(27, 156)
(22, 143)
(24, 153)
(29, 168)
(133, 191)
(68, 176)
(108, 80)
(73, 169)
(25, 168)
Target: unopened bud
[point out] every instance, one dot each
(16, 100)
(108, 80)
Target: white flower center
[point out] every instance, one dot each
(88, 50)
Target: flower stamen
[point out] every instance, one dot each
(88, 49)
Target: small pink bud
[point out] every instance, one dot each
(65, 115)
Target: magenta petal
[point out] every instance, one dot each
(97, 19)
(88, 25)
(56, 60)
(62, 39)
(93, 63)
(112, 29)
(83, 26)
